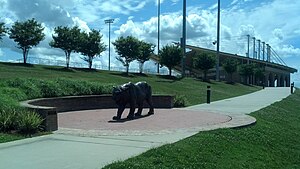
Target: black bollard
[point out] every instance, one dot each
(208, 95)
(292, 88)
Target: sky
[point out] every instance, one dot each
(276, 22)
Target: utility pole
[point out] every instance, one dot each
(183, 38)
(218, 44)
(158, 32)
(109, 21)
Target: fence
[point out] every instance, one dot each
(54, 62)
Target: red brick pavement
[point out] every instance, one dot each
(163, 119)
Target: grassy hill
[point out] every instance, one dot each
(192, 89)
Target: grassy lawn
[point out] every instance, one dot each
(10, 137)
(274, 142)
(193, 89)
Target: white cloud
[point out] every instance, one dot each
(275, 22)
(277, 33)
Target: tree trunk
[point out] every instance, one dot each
(25, 54)
(141, 67)
(67, 58)
(90, 62)
(170, 72)
(90, 65)
(127, 69)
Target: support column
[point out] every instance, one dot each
(248, 51)
(258, 51)
(271, 80)
(288, 81)
(278, 80)
(254, 57)
(263, 50)
(268, 53)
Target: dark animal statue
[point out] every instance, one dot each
(132, 94)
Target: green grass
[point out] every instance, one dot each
(4, 137)
(274, 142)
(193, 89)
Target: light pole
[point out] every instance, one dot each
(158, 32)
(183, 42)
(218, 45)
(109, 21)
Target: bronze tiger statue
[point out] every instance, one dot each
(132, 94)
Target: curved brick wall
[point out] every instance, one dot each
(49, 107)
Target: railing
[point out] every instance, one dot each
(54, 62)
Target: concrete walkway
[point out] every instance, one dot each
(71, 148)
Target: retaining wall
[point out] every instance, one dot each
(49, 107)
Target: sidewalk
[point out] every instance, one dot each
(88, 148)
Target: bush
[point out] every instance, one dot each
(50, 89)
(73, 87)
(29, 122)
(7, 120)
(13, 93)
(7, 103)
(98, 88)
(180, 101)
(28, 86)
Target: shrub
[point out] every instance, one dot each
(13, 93)
(7, 103)
(7, 120)
(73, 87)
(180, 101)
(28, 86)
(98, 88)
(49, 89)
(29, 122)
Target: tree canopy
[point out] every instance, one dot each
(170, 56)
(67, 39)
(91, 46)
(27, 34)
(127, 49)
(2, 30)
(246, 70)
(204, 62)
(146, 49)
(230, 66)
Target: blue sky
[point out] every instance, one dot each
(273, 21)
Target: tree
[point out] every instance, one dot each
(247, 71)
(146, 49)
(170, 56)
(204, 62)
(127, 49)
(91, 46)
(259, 73)
(27, 34)
(67, 39)
(2, 30)
(230, 66)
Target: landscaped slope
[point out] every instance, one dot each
(192, 89)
